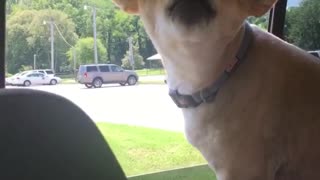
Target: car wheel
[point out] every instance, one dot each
(89, 85)
(27, 83)
(132, 80)
(123, 84)
(97, 82)
(53, 82)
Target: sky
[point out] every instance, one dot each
(293, 3)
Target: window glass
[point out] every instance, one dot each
(92, 69)
(49, 72)
(116, 105)
(261, 22)
(32, 75)
(302, 25)
(104, 68)
(116, 69)
(82, 69)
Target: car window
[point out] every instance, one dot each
(116, 69)
(92, 69)
(32, 75)
(82, 69)
(41, 71)
(49, 72)
(104, 68)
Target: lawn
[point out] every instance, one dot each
(143, 150)
(150, 72)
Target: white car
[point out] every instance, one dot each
(9, 80)
(32, 78)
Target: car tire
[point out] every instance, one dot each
(123, 84)
(97, 83)
(89, 86)
(27, 83)
(53, 82)
(132, 80)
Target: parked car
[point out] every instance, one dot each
(33, 78)
(9, 80)
(94, 75)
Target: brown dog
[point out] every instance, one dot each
(264, 122)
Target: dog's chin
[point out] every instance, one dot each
(191, 13)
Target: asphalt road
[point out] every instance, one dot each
(141, 105)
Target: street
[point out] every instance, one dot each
(141, 105)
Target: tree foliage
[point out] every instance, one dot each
(138, 60)
(303, 25)
(84, 52)
(27, 35)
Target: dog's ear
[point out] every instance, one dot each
(129, 6)
(260, 7)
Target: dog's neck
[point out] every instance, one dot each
(195, 65)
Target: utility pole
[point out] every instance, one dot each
(52, 41)
(95, 35)
(74, 60)
(34, 61)
(131, 57)
(94, 15)
(52, 44)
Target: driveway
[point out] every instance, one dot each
(141, 105)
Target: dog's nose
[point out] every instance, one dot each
(191, 12)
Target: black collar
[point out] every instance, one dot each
(208, 95)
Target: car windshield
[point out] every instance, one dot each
(22, 74)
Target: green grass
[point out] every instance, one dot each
(68, 81)
(202, 172)
(66, 76)
(143, 150)
(150, 72)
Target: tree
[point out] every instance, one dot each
(303, 25)
(113, 29)
(85, 52)
(27, 35)
(138, 60)
(261, 22)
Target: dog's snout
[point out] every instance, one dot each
(191, 12)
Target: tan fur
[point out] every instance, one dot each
(265, 122)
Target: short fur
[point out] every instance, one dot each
(265, 122)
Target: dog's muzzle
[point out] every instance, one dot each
(191, 12)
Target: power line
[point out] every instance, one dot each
(63, 38)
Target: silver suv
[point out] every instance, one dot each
(95, 75)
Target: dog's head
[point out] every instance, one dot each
(193, 14)
(194, 29)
